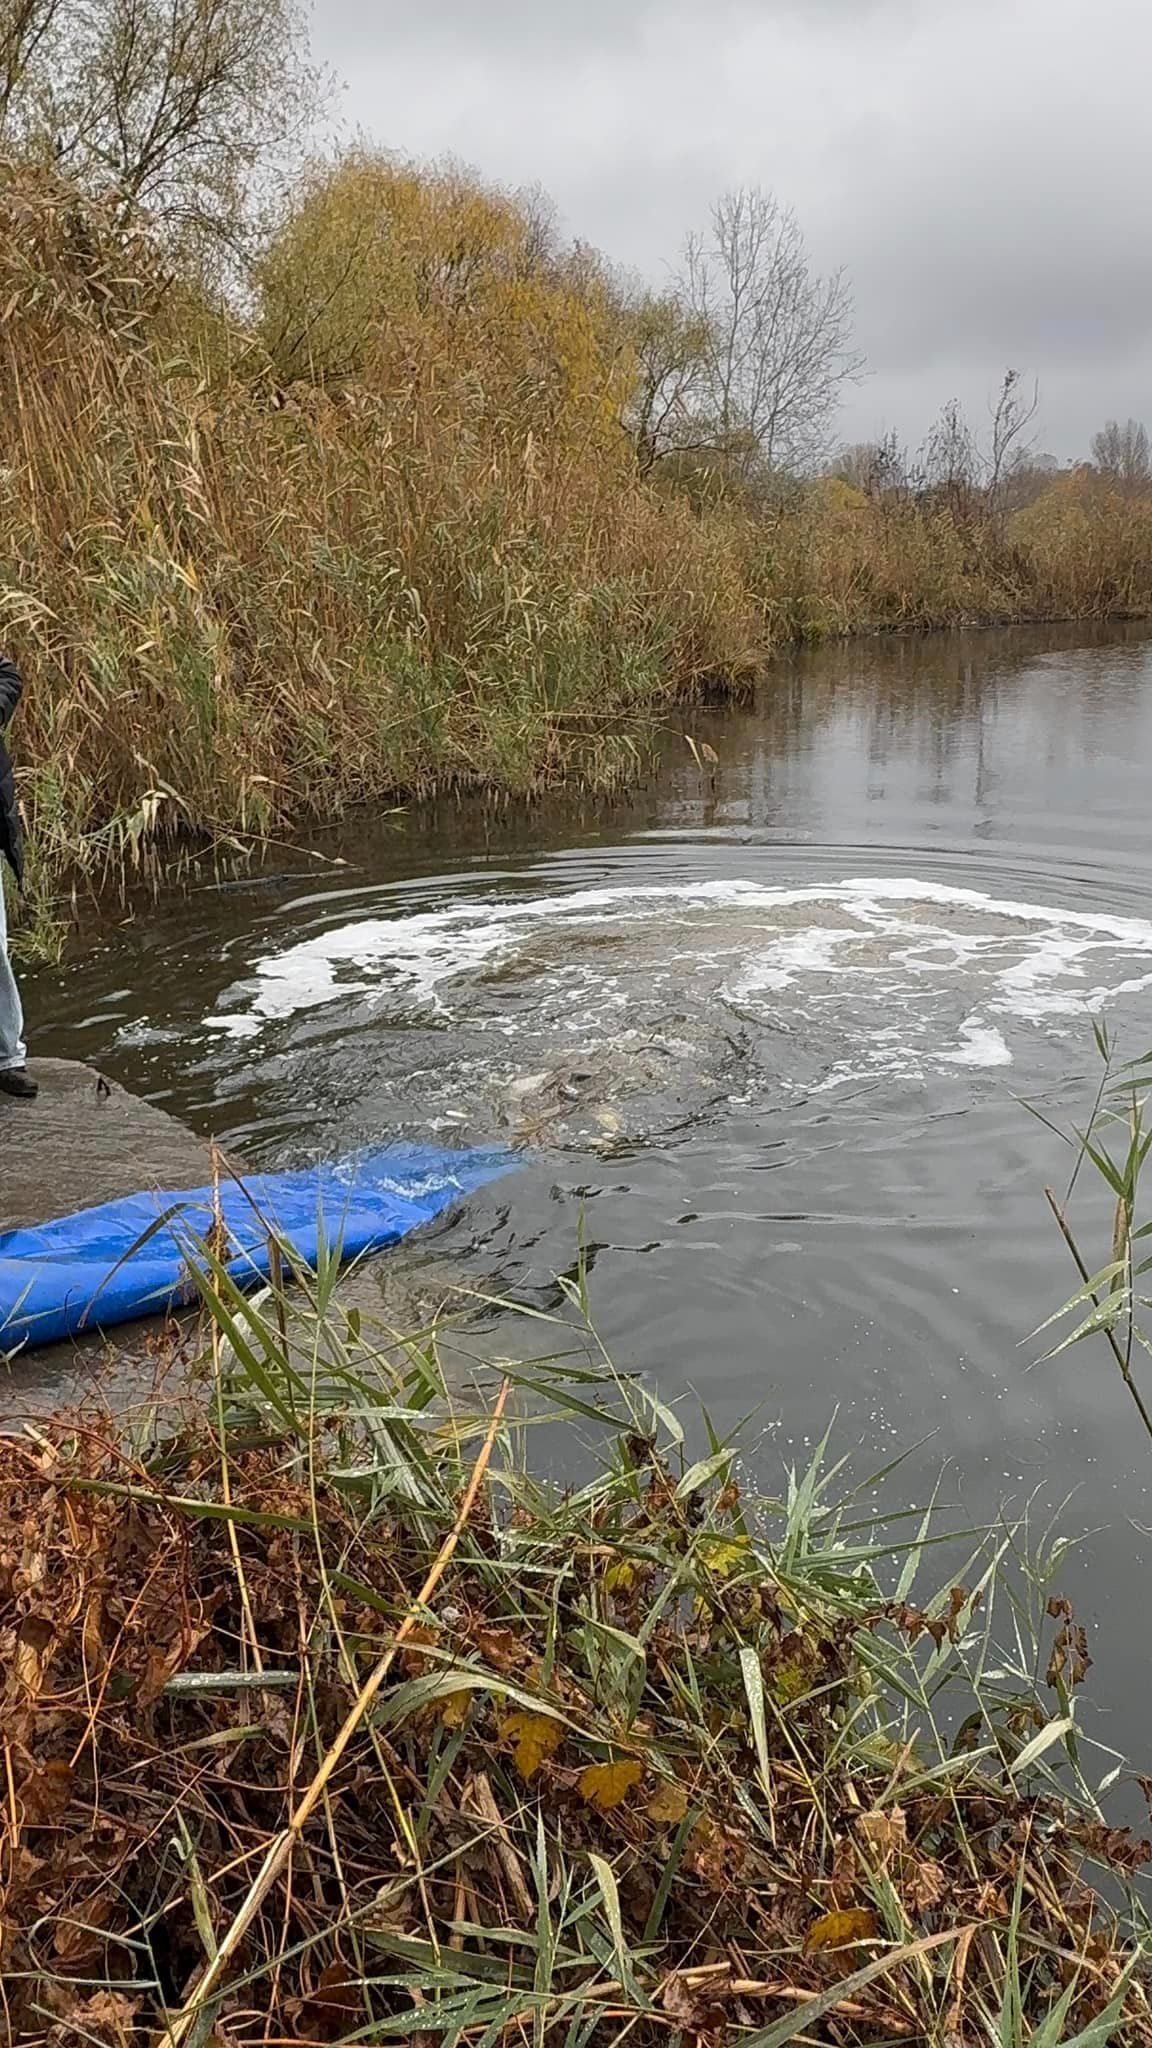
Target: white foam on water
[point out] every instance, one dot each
(234, 1024)
(898, 943)
(981, 1045)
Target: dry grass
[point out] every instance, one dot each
(319, 1726)
(835, 560)
(241, 602)
(236, 605)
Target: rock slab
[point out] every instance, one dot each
(86, 1140)
(83, 1141)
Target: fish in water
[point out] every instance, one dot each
(644, 1086)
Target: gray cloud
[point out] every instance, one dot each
(980, 167)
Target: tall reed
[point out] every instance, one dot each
(247, 590)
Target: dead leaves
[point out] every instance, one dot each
(886, 1834)
(413, 1659)
(165, 1660)
(716, 1854)
(919, 1879)
(1118, 1847)
(607, 1785)
(922, 1884)
(528, 1765)
(454, 1712)
(668, 1804)
(916, 1621)
(695, 2009)
(790, 1678)
(106, 2018)
(1069, 1663)
(78, 1940)
(533, 1738)
(724, 1555)
(499, 1647)
(331, 2009)
(30, 1654)
(841, 1929)
(46, 1793)
(620, 1580)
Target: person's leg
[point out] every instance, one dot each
(12, 1052)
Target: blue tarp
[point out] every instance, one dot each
(116, 1262)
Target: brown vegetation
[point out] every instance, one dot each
(450, 503)
(237, 599)
(326, 1722)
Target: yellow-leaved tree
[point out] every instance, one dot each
(409, 280)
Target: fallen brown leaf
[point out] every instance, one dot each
(608, 1785)
(668, 1804)
(839, 1929)
(534, 1737)
(45, 1793)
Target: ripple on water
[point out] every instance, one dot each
(635, 1009)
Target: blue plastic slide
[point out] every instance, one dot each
(119, 1261)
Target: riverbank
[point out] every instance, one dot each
(244, 600)
(327, 1721)
(597, 752)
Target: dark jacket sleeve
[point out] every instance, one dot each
(10, 688)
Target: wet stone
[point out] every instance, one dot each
(86, 1140)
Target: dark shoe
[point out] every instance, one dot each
(18, 1081)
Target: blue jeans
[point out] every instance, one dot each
(12, 1053)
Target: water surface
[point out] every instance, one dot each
(765, 1028)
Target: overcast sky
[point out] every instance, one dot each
(981, 168)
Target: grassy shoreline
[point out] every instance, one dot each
(326, 1720)
(155, 846)
(242, 599)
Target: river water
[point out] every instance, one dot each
(766, 1030)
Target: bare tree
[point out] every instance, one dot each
(855, 463)
(950, 459)
(877, 467)
(24, 26)
(1122, 454)
(1028, 479)
(779, 347)
(670, 344)
(542, 241)
(177, 106)
(972, 473)
(1012, 414)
